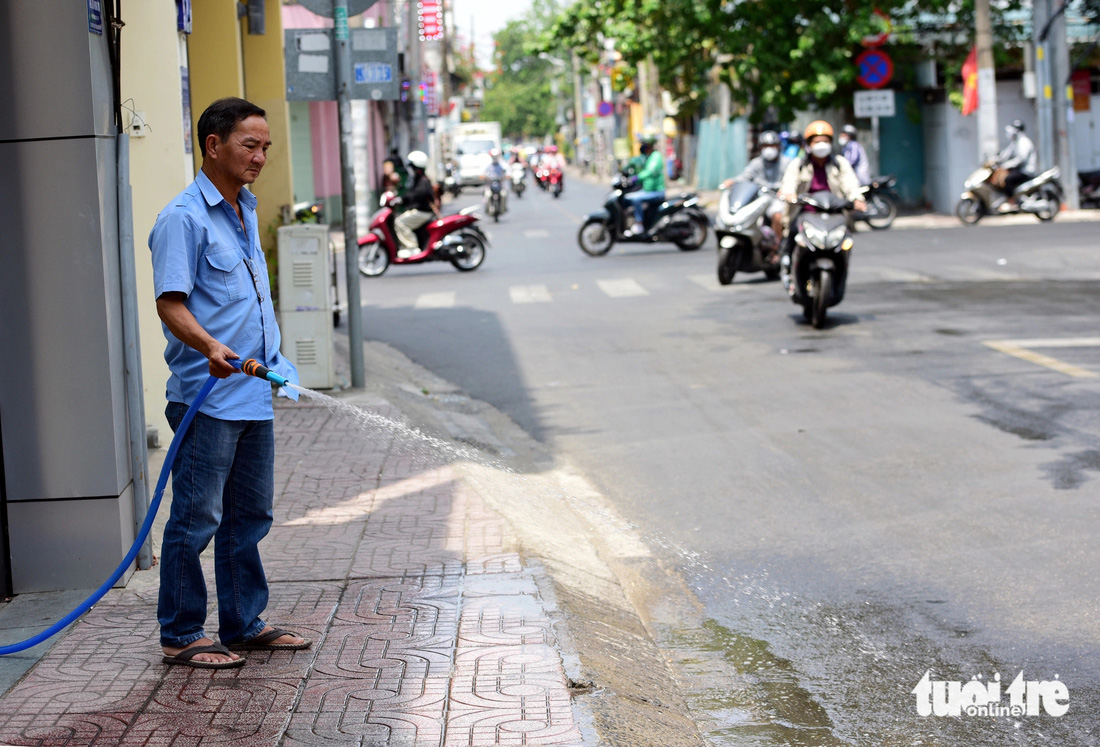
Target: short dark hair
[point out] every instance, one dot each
(222, 116)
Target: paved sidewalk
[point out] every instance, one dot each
(428, 628)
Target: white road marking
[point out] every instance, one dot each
(710, 282)
(624, 288)
(536, 233)
(530, 294)
(443, 300)
(1023, 349)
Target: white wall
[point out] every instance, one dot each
(1086, 127)
(951, 142)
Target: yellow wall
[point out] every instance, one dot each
(265, 86)
(214, 52)
(159, 167)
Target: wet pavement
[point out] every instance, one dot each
(428, 627)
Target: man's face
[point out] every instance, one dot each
(243, 154)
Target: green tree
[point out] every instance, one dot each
(519, 91)
(777, 56)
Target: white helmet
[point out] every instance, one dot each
(419, 159)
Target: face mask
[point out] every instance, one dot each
(842, 140)
(770, 154)
(1010, 132)
(821, 149)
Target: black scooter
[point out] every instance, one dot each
(678, 220)
(818, 264)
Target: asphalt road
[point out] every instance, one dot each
(852, 506)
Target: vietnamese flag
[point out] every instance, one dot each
(970, 82)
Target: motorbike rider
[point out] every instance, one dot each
(495, 170)
(856, 154)
(552, 159)
(652, 181)
(793, 148)
(419, 198)
(819, 170)
(767, 170)
(1018, 157)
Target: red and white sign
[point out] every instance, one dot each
(877, 40)
(430, 16)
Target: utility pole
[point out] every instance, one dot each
(1044, 93)
(347, 187)
(417, 135)
(1063, 106)
(578, 112)
(988, 142)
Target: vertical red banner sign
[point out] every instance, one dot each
(430, 14)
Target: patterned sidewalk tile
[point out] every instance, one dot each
(354, 652)
(427, 629)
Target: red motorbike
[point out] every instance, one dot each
(452, 238)
(553, 181)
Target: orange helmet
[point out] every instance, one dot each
(818, 127)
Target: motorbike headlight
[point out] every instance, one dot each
(727, 242)
(836, 236)
(817, 236)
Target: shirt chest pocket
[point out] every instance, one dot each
(226, 268)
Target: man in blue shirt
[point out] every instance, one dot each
(214, 299)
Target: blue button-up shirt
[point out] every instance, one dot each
(201, 250)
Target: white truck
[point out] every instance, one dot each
(471, 145)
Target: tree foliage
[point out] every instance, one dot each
(777, 56)
(519, 93)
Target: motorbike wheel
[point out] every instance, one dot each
(969, 211)
(698, 235)
(823, 290)
(595, 237)
(727, 261)
(1053, 202)
(881, 212)
(373, 260)
(474, 255)
(557, 190)
(494, 208)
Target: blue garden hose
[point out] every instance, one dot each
(249, 366)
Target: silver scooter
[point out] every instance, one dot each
(746, 243)
(1041, 196)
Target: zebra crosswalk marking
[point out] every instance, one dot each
(441, 300)
(530, 294)
(622, 288)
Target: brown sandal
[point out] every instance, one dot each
(265, 642)
(185, 658)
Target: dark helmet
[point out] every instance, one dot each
(768, 137)
(851, 131)
(1018, 125)
(795, 137)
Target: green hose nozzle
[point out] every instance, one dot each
(252, 367)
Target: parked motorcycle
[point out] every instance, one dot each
(1088, 188)
(818, 266)
(519, 178)
(1040, 196)
(678, 220)
(453, 238)
(494, 199)
(882, 203)
(746, 242)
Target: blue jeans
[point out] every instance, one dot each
(640, 199)
(223, 485)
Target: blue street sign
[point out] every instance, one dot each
(373, 72)
(875, 68)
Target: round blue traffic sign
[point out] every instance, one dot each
(875, 68)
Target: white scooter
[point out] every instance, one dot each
(519, 178)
